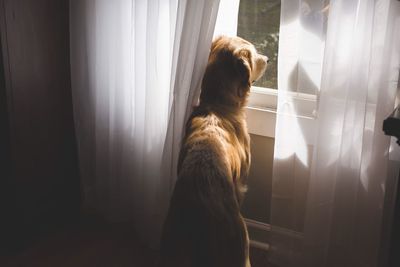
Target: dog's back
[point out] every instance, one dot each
(204, 226)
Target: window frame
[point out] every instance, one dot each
(261, 111)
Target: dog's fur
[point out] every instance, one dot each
(204, 226)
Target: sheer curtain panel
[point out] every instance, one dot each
(332, 166)
(135, 67)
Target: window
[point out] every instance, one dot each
(258, 22)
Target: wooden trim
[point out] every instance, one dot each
(260, 226)
(259, 245)
(257, 225)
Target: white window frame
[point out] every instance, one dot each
(262, 109)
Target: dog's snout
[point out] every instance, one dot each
(265, 59)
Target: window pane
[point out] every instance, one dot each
(258, 22)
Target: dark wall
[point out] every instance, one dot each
(41, 174)
(7, 204)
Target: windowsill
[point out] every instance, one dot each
(263, 98)
(262, 109)
(261, 121)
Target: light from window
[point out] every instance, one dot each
(258, 22)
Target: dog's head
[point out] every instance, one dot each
(233, 65)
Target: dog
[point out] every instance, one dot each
(204, 226)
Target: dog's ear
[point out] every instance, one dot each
(217, 41)
(243, 63)
(243, 66)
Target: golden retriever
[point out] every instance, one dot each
(204, 227)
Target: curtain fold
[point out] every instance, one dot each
(135, 66)
(192, 46)
(330, 174)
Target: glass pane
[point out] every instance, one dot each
(258, 22)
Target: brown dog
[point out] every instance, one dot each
(204, 226)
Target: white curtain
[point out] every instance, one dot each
(338, 71)
(136, 67)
